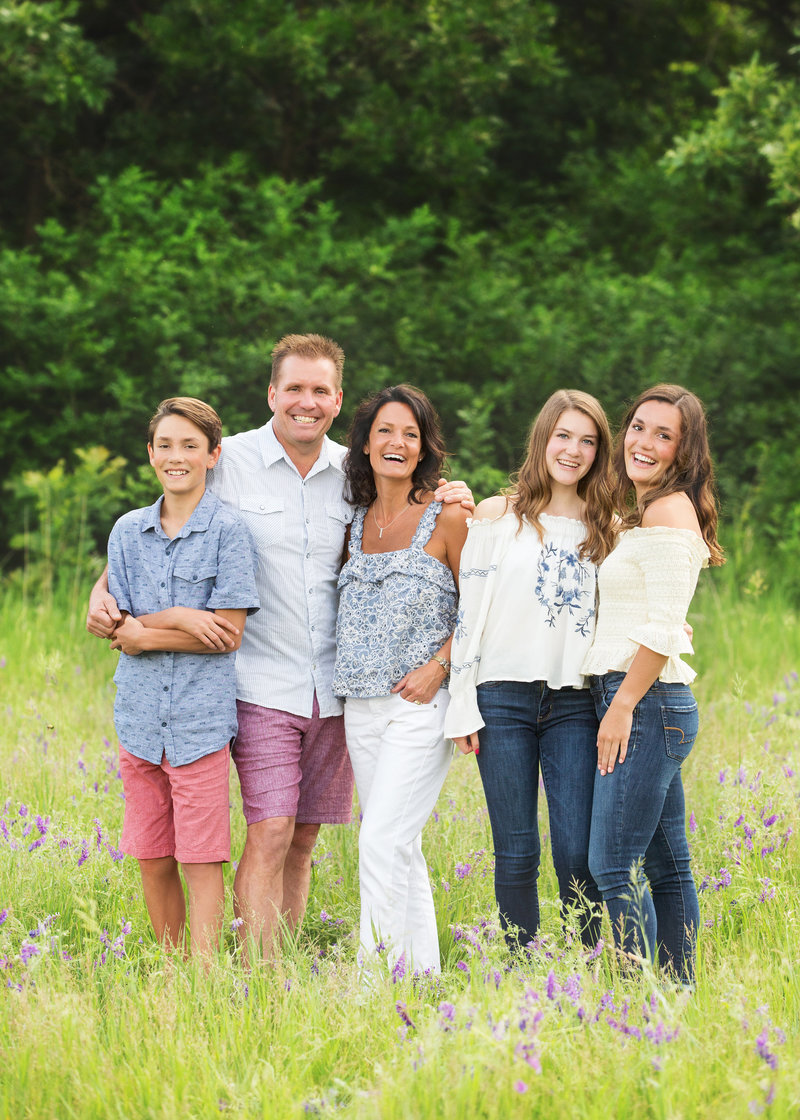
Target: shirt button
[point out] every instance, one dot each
(163, 585)
(308, 556)
(166, 688)
(311, 590)
(164, 723)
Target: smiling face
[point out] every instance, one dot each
(180, 456)
(305, 400)
(394, 446)
(651, 443)
(572, 448)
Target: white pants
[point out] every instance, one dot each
(400, 760)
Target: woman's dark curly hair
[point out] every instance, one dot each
(357, 468)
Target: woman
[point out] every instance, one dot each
(647, 713)
(397, 611)
(526, 619)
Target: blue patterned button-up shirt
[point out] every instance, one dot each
(182, 705)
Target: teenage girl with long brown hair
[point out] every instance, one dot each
(525, 623)
(639, 855)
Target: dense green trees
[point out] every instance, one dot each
(489, 198)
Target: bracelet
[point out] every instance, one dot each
(445, 664)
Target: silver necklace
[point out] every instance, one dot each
(390, 523)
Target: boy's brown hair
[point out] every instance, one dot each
(202, 415)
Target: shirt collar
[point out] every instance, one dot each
(198, 522)
(330, 455)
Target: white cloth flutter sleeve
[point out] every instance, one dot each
(670, 561)
(483, 550)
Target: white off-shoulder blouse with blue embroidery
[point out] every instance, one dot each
(396, 609)
(526, 612)
(646, 585)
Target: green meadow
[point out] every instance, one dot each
(98, 1021)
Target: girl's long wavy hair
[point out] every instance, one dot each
(691, 471)
(357, 469)
(530, 489)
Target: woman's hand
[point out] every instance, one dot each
(455, 491)
(612, 737)
(421, 685)
(129, 636)
(468, 744)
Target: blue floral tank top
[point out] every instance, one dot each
(396, 609)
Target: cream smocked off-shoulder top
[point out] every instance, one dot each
(645, 587)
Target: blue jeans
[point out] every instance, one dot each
(529, 726)
(639, 828)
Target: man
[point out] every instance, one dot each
(287, 483)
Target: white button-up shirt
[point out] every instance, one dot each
(298, 525)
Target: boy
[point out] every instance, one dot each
(183, 574)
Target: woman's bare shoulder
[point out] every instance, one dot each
(491, 508)
(453, 514)
(673, 511)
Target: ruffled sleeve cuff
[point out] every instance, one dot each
(463, 714)
(669, 641)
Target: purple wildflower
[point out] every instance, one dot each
(27, 951)
(402, 1011)
(528, 1053)
(3, 915)
(520, 1087)
(595, 953)
(763, 1050)
(692, 822)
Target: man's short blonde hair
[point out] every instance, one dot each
(307, 346)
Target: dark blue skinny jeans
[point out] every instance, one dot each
(531, 727)
(638, 851)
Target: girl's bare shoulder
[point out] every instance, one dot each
(492, 508)
(673, 511)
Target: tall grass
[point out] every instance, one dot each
(97, 1021)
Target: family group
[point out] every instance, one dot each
(324, 614)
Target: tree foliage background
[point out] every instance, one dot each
(488, 198)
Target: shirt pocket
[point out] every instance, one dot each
(264, 517)
(192, 583)
(338, 518)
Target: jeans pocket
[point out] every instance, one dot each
(681, 722)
